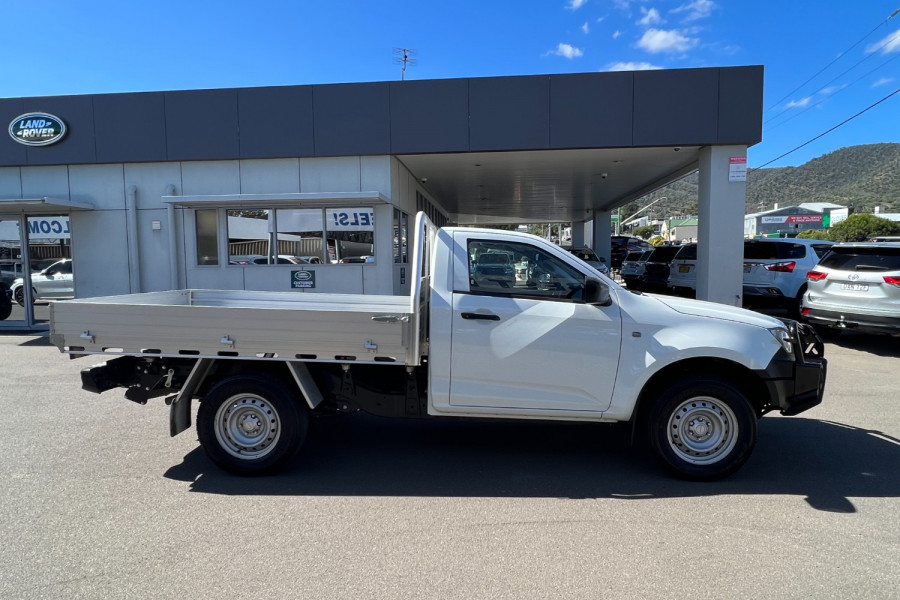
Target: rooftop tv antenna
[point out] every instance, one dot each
(405, 57)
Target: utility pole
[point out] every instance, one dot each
(404, 57)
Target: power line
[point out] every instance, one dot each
(873, 53)
(844, 122)
(839, 56)
(812, 106)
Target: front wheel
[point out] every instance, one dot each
(251, 425)
(702, 428)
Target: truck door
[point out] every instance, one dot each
(522, 339)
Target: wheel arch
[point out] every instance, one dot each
(738, 375)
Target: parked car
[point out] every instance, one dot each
(494, 269)
(775, 270)
(10, 270)
(633, 268)
(682, 279)
(855, 286)
(590, 257)
(5, 301)
(621, 245)
(655, 276)
(54, 282)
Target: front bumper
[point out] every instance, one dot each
(797, 383)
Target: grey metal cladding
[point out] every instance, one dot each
(11, 151)
(590, 110)
(740, 105)
(276, 122)
(77, 147)
(201, 125)
(678, 107)
(130, 127)
(429, 116)
(509, 113)
(352, 119)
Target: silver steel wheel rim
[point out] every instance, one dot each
(702, 430)
(247, 426)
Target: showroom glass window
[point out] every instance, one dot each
(401, 228)
(249, 236)
(351, 235)
(269, 236)
(207, 225)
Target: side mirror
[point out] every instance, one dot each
(596, 292)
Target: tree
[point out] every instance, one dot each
(860, 227)
(644, 231)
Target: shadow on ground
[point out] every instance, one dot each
(360, 455)
(879, 345)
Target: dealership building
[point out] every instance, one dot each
(312, 188)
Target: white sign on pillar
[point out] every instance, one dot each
(737, 168)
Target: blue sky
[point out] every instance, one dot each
(824, 61)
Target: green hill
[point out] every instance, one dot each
(861, 177)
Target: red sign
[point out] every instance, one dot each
(804, 219)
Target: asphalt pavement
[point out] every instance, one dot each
(99, 502)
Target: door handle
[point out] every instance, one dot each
(479, 317)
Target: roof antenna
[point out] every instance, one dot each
(404, 56)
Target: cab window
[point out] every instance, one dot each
(521, 270)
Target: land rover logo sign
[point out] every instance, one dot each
(37, 129)
(303, 280)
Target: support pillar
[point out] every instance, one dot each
(578, 234)
(602, 230)
(720, 249)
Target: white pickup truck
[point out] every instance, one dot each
(555, 341)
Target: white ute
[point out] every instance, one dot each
(561, 343)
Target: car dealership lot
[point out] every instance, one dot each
(98, 502)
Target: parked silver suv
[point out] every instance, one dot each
(775, 270)
(855, 286)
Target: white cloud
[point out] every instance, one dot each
(586, 28)
(651, 17)
(659, 40)
(834, 89)
(617, 34)
(567, 51)
(575, 4)
(889, 44)
(631, 66)
(698, 9)
(803, 102)
(882, 81)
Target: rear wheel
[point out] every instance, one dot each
(702, 428)
(251, 425)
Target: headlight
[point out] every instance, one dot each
(783, 336)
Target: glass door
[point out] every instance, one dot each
(36, 249)
(12, 273)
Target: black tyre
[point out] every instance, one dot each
(702, 428)
(251, 425)
(20, 295)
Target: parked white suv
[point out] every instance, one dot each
(855, 286)
(774, 270)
